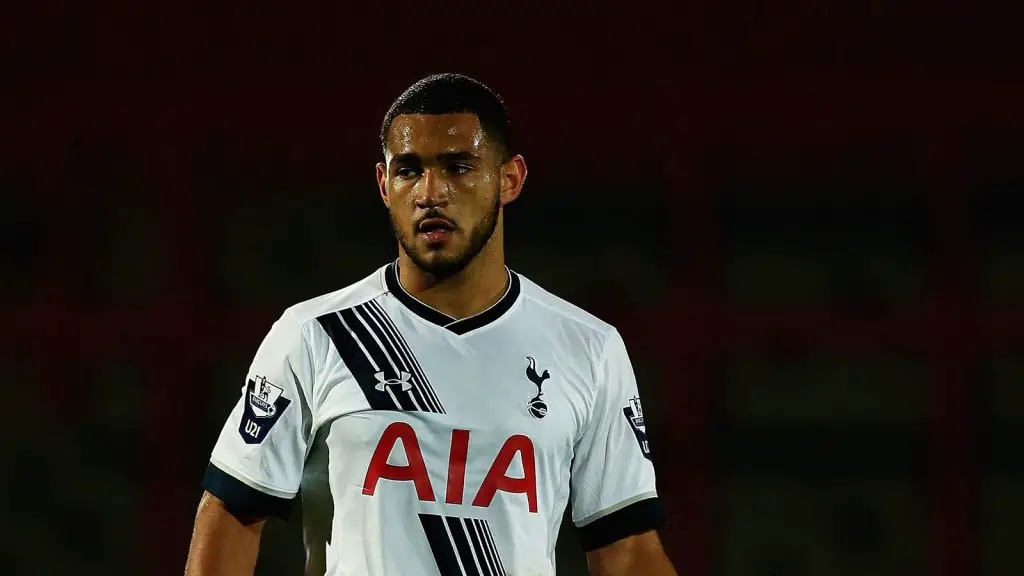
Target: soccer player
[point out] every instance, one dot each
(437, 416)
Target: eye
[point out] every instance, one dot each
(406, 172)
(460, 168)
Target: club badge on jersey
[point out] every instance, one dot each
(262, 408)
(635, 415)
(537, 407)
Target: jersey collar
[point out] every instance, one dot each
(456, 325)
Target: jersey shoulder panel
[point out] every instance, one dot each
(565, 311)
(354, 294)
(583, 336)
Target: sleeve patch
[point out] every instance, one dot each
(635, 416)
(262, 408)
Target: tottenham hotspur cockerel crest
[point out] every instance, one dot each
(537, 407)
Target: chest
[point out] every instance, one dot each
(503, 380)
(507, 406)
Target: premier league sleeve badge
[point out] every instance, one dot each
(263, 405)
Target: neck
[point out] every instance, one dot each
(472, 290)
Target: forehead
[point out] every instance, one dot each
(431, 134)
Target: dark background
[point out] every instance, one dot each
(806, 224)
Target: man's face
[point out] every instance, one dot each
(441, 182)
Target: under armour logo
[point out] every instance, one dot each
(402, 380)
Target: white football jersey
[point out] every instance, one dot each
(421, 444)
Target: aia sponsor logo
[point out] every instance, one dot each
(415, 471)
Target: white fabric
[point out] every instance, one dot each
(323, 442)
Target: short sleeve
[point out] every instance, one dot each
(613, 485)
(256, 465)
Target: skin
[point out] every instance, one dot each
(631, 556)
(221, 543)
(437, 166)
(445, 166)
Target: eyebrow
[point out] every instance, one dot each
(444, 157)
(456, 156)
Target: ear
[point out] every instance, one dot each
(513, 176)
(382, 183)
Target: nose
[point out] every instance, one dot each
(432, 190)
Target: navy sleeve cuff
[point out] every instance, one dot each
(241, 500)
(637, 518)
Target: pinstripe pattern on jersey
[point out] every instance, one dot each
(380, 359)
(462, 546)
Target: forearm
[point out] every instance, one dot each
(221, 544)
(641, 554)
(652, 564)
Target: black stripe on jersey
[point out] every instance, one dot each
(356, 361)
(404, 354)
(377, 356)
(392, 359)
(241, 500)
(488, 565)
(440, 545)
(485, 533)
(400, 354)
(406, 349)
(637, 518)
(458, 533)
(412, 364)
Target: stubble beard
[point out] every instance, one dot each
(446, 267)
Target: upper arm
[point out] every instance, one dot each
(636, 554)
(212, 510)
(256, 465)
(613, 484)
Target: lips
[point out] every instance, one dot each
(435, 224)
(435, 231)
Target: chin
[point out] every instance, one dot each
(440, 262)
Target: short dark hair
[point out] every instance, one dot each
(453, 94)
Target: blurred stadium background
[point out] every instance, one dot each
(806, 225)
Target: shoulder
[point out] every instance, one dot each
(581, 327)
(364, 290)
